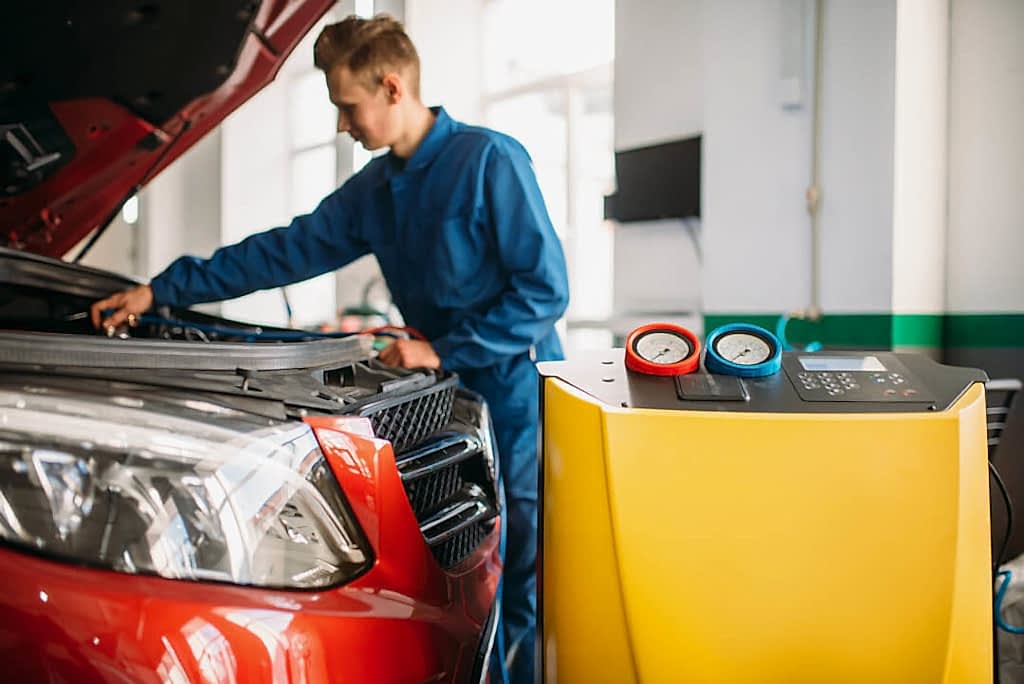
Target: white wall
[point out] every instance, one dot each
(255, 182)
(180, 209)
(659, 71)
(756, 166)
(117, 250)
(664, 248)
(986, 181)
(447, 36)
(757, 145)
(856, 174)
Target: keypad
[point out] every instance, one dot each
(834, 384)
(856, 386)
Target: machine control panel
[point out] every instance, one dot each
(859, 377)
(817, 382)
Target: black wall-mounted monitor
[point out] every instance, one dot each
(656, 182)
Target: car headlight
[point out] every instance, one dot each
(202, 495)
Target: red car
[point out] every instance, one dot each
(194, 499)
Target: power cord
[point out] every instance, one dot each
(1006, 575)
(998, 559)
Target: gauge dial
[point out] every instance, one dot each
(744, 348)
(662, 349)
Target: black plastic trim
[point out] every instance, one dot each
(460, 515)
(437, 455)
(486, 647)
(392, 400)
(54, 275)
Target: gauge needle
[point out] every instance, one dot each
(666, 350)
(742, 353)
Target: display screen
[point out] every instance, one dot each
(841, 363)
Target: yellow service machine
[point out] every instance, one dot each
(791, 517)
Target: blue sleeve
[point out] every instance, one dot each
(312, 244)
(530, 254)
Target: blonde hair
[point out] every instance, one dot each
(369, 48)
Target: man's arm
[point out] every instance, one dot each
(537, 292)
(312, 244)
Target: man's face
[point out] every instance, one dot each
(370, 117)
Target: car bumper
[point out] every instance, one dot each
(68, 623)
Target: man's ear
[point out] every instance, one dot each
(394, 87)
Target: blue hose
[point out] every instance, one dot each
(1007, 578)
(499, 675)
(780, 332)
(250, 336)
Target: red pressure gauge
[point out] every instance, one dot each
(662, 349)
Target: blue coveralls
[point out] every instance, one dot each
(472, 260)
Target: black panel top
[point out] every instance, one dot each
(822, 382)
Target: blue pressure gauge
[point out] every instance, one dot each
(748, 351)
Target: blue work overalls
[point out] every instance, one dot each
(472, 260)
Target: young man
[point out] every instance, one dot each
(455, 217)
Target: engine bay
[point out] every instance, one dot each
(273, 371)
(38, 309)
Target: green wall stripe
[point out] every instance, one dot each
(984, 330)
(712, 321)
(873, 331)
(884, 331)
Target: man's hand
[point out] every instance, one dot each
(410, 354)
(127, 305)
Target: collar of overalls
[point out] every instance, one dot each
(428, 148)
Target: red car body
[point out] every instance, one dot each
(405, 620)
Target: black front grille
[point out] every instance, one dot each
(447, 473)
(444, 462)
(456, 549)
(408, 420)
(429, 492)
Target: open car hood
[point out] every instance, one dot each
(97, 97)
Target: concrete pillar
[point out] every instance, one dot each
(920, 159)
